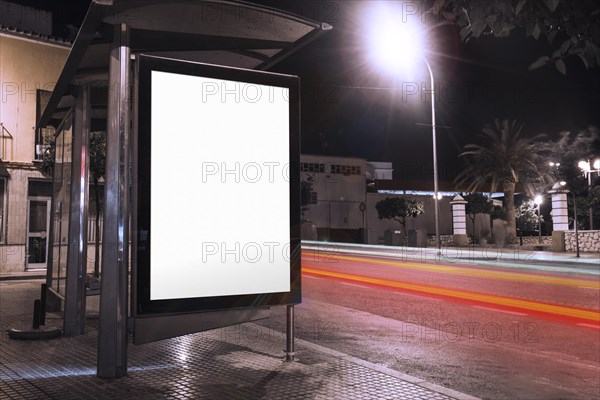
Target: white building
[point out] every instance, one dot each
(346, 190)
(339, 187)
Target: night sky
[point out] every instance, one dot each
(351, 108)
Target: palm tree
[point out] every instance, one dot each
(505, 159)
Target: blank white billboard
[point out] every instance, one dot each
(220, 191)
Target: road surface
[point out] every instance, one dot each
(489, 330)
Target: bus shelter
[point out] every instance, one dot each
(97, 91)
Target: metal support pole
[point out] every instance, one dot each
(43, 293)
(36, 314)
(289, 333)
(575, 224)
(113, 335)
(589, 194)
(436, 190)
(74, 320)
(539, 224)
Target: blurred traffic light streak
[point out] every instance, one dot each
(582, 317)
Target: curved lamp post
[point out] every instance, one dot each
(436, 190)
(396, 42)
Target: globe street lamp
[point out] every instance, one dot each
(539, 200)
(396, 41)
(586, 167)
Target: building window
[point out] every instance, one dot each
(345, 169)
(2, 207)
(312, 167)
(43, 136)
(312, 198)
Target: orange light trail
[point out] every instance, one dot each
(511, 303)
(463, 271)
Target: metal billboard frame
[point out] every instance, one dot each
(159, 319)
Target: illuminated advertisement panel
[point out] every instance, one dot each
(218, 188)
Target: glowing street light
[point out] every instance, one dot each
(539, 200)
(396, 41)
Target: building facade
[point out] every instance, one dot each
(29, 67)
(344, 195)
(338, 190)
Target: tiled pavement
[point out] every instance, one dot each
(242, 362)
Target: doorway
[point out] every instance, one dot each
(38, 224)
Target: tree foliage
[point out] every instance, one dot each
(527, 217)
(46, 166)
(503, 159)
(571, 27)
(477, 203)
(398, 209)
(306, 188)
(498, 213)
(567, 151)
(97, 152)
(97, 149)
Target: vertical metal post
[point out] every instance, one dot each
(289, 333)
(436, 188)
(539, 224)
(113, 335)
(589, 176)
(575, 224)
(43, 293)
(36, 314)
(74, 320)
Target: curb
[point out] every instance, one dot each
(384, 370)
(21, 277)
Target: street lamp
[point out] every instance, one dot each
(586, 167)
(396, 41)
(575, 224)
(539, 200)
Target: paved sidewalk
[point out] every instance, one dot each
(239, 362)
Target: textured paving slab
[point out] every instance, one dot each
(241, 362)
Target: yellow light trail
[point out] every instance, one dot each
(478, 273)
(470, 296)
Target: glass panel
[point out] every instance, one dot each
(36, 250)
(39, 188)
(45, 135)
(2, 191)
(38, 213)
(60, 212)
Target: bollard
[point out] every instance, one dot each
(289, 345)
(36, 314)
(43, 305)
